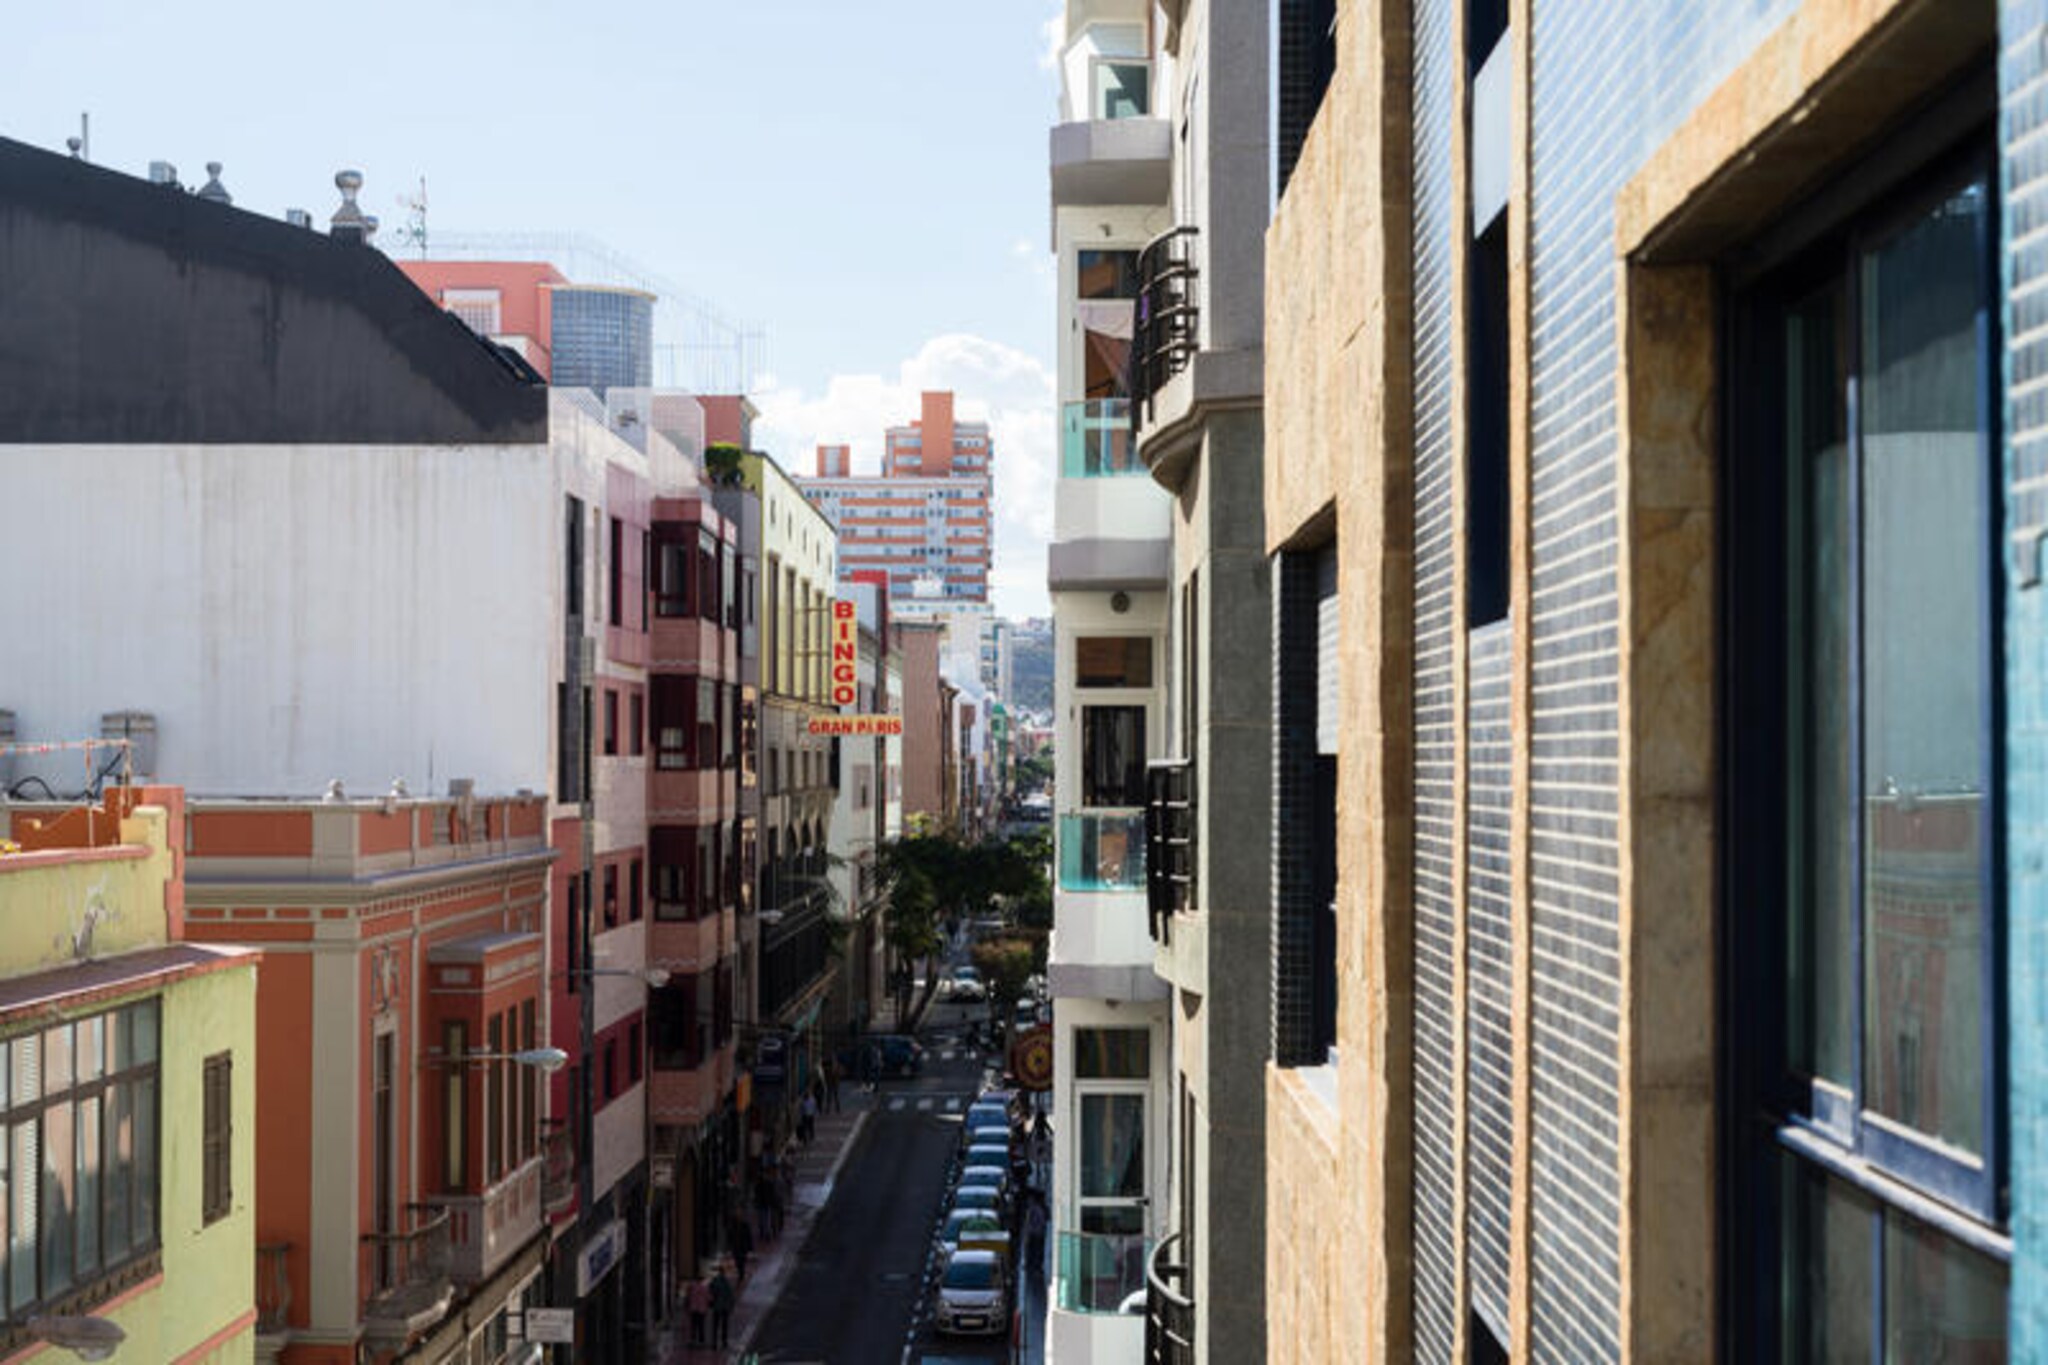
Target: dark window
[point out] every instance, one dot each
(574, 928)
(494, 1113)
(1112, 1054)
(675, 723)
(636, 725)
(1864, 900)
(615, 586)
(1486, 429)
(1113, 756)
(454, 1106)
(1486, 23)
(611, 1067)
(710, 580)
(572, 559)
(1307, 59)
(1113, 661)
(671, 573)
(1486, 1347)
(1107, 274)
(1307, 649)
(633, 879)
(217, 1137)
(611, 721)
(529, 1084)
(611, 895)
(634, 1048)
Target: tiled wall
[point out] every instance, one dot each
(2023, 115)
(1489, 972)
(1435, 719)
(1608, 82)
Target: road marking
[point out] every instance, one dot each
(896, 1104)
(924, 1104)
(953, 1104)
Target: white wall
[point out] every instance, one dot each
(290, 614)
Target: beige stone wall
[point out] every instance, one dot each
(1338, 462)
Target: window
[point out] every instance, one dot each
(1113, 661)
(1113, 756)
(1864, 899)
(494, 1111)
(611, 895)
(633, 877)
(1119, 1054)
(454, 1106)
(633, 1050)
(615, 580)
(1307, 36)
(574, 929)
(1486, 429)
(80, 1160)
(635, 725)
(1307, 646)
(671, 572)
(1111, 1161)
(611, 721)
(572, 558)
(611, 1067)
(477, 308)
(216, 1141)
(529, 1084)
(1122, 90)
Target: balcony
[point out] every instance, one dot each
(1169, 1313)
(407, 1271)
(1102, 851)
(1166, 332)
(683, 1096)
(485, 1229)
(1123, 159)
(1170, 842)
(1094, 1273)
(685, 947)
(1095, 440)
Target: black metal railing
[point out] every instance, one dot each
(1167, 320)
(1169, 1311)
(1169, 842)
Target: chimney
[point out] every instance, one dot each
(348, 223)
(213, 191)
(298, 218)
(163, 173)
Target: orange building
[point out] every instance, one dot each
(404, 1173)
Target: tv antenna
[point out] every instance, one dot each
(414, 233)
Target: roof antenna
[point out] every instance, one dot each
(414, 233)
(81, 146)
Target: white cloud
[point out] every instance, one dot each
(1009, 389)
(1054, 31)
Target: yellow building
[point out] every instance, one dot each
(129, 1065)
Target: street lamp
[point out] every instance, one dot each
(87, 1338)
(656, 977)
(546, 1059)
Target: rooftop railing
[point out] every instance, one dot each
(1096, 1272)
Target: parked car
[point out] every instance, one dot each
(974, 1295)
(980, 1199)
(984, 1133)
(989, 1154)
(968, 1222)
(995, 1177)
(967, 988)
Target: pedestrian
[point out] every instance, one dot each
(699, 1301)
(832, 1079)
(740, 1239)
(807, 1119)
(764, 1203)
(1034, 1232)
(721, 1307)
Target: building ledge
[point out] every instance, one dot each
(1101, 565)
(1111, 161)
(1214, 381)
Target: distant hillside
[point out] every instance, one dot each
(1031, 671)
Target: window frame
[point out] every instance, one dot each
(1776, 1113)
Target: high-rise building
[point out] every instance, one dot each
(926, 520)
(582, 336)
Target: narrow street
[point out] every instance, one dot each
(859, 1290)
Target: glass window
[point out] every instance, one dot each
(1113, 756)
(1112, 1162)
(1122, 89)
(1120, 1054)
(1113, 661)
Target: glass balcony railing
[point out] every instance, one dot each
(1102, 851)
(1096, 440)
(1093, 1273)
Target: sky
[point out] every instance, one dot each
(865, 183)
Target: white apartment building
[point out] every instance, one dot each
(1108, 571)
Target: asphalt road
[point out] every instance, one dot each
(858, 1293)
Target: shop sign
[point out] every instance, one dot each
(771, 1059)
(856, 725)
(599, 1255)
(845, 653)
(554, 1326)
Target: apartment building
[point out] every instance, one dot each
(927, 517)
(396, 570)
(785, 965)
(1196, 374)
(1656, 611)
(131, 1100)
(1109, 568)
(578, 336)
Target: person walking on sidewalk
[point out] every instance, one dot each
(807, 1119)
(698, 1298)
(739, 1236)
(832, 1079)
(721, 1309)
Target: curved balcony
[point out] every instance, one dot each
(407, 1270)
(1169, 1311)
(1166, 332)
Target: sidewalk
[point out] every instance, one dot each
(770, 1265)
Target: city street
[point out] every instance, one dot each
(859, 1289)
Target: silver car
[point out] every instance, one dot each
(974, 1295)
